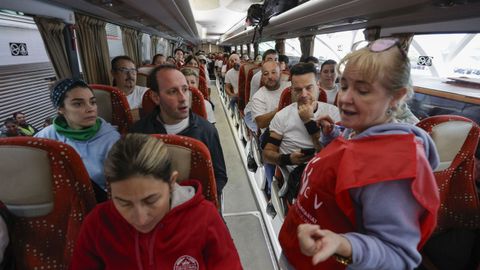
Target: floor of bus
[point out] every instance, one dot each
(241, 211)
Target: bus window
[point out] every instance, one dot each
(25, 70)
(262, 47)
(445, 55)
(114, 40)
(336, 45)
(292, 50)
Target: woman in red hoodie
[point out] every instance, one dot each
(151, 222)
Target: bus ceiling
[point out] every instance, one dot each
(321, 17)
(167, 19)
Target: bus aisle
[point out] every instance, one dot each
(240, 210)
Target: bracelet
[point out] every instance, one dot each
(343, 260)
(284, 160)
(311, 127)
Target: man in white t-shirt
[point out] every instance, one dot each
(124, 73)
(268, 55)
(264, 103)
(293, 128)
(231, 78)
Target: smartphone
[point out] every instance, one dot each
(308, 151)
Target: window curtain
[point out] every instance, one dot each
(92, 38)
(306, 44)
(51, 31)
(153, 45)
(280, 46)
(132, 44)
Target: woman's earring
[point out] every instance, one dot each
(389, 111)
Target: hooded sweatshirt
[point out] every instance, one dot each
(191, 235)
(388, 220)
(93, 151)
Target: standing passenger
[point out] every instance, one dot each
(370, 194)
(173, 116)
(151, 221)
(79, 126)
(231, 79)
(124, 74)
(25, 128)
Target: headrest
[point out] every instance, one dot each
(104, 104)
(449, 138)
(26, 181)
(181, 158)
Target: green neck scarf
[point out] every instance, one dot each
(85, 134)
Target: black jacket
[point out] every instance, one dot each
(198, 128)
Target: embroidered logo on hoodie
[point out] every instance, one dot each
(186, 263)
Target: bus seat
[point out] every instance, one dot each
(251, 72)
(197, 102)
(242, 83)
(46, 188)
(113, 106)
(142, 79)
(193, 161)
(456, 139)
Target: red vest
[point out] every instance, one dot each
(324, 198)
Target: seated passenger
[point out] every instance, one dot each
(293, 128)
(268, 55)
(192, 61)
(152, 222)
(24, 128)
(179, 57)
(328, 76)
(231, 79)
(124, 75)
(283, 61)
(79, 126)
(159, 59)
(173, 116)
(10, 128)
(204, 63)
(192, 80)
(370, 195)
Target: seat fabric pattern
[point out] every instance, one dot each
(47, 242)
(459, 202)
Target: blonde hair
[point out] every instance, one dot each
(189, 72)
(390, 68)
(138, 154)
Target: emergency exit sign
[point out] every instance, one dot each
(18, 49)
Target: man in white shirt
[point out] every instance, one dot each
(124, 73)
(231, 78)
(293, 128)
(268, 55)
(264, 103)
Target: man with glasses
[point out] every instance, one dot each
(124, 73)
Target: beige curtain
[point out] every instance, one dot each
(52, 35)
(153, 45)
(132, 44)
(280, 46)
(94, 53)
(306, 44)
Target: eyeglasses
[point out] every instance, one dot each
(384, 44)
(126, 70)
